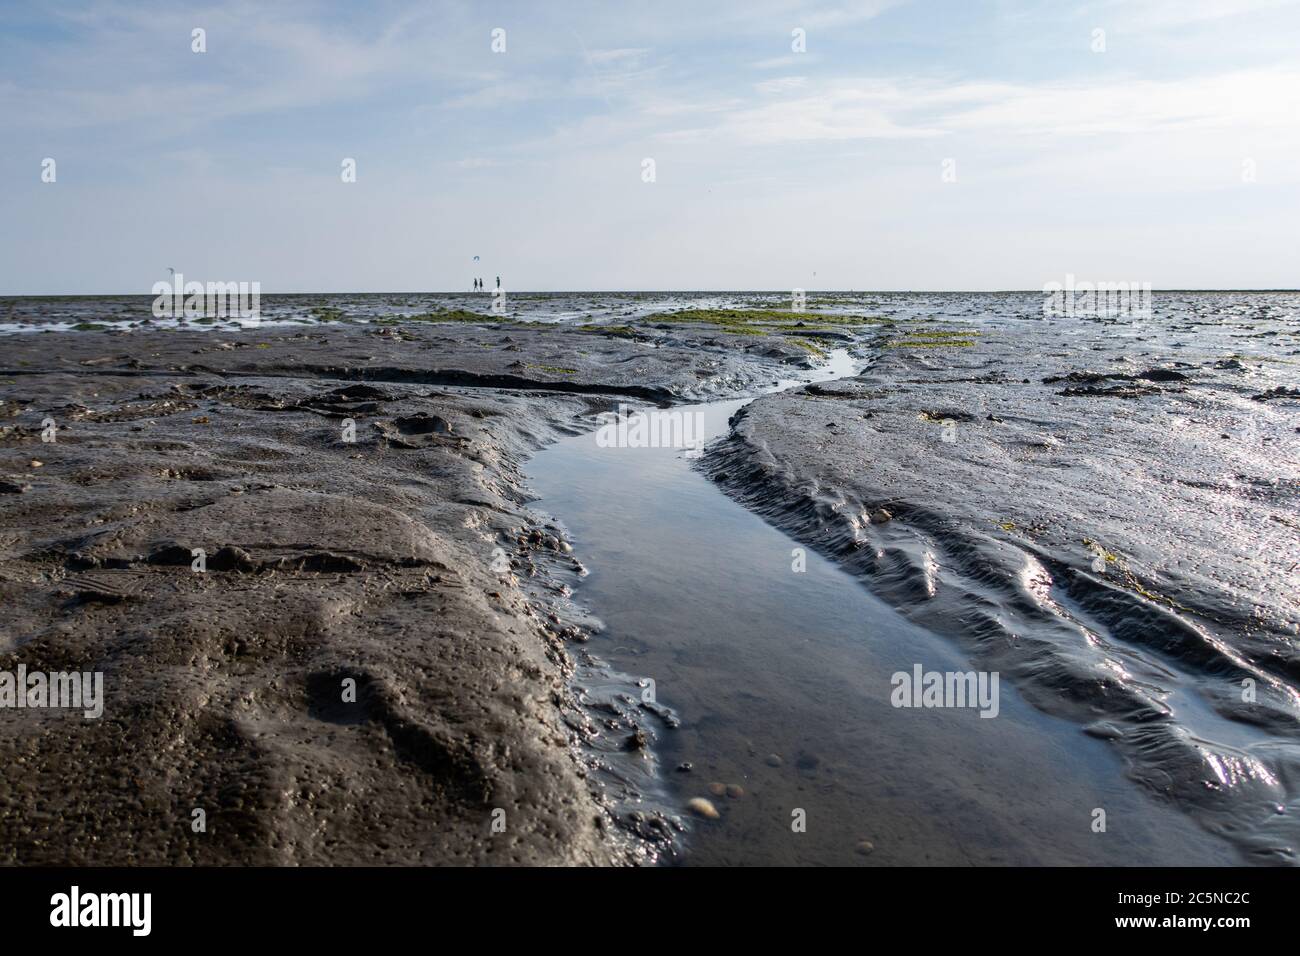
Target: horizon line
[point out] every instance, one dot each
(488, 292)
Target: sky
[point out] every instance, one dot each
(923, 145)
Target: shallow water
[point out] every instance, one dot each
(782, 682)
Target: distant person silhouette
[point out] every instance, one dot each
(498, 282)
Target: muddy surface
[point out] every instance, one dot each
(1104, 512)
(356, 496)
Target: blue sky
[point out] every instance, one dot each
(1170, 157)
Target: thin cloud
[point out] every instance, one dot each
(783, 84)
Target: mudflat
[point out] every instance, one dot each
(302, 561)
(333, 629)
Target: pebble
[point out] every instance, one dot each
(880, 516)
(735, 791)
(703, 808)
(866, 847)
(774, 760)
(684, 767)
(718, 789)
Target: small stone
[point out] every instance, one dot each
(880, 516)
(703, 808)
(735, 791)
(866, 847)
(684, 767)
(718, 789)
(773, 760)
(37, 464)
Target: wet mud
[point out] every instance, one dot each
(1104, 512)
(304, 563)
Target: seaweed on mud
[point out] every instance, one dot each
(324, 313)
(614, 331)
(810, 347)
(934, 339)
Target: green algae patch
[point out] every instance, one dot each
(807, 345)
(615, 331)
(553, 369)
(956, 344)
(934, 339)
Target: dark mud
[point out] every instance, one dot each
(1105, 513)
(404, 560)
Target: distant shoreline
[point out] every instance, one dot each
(147, 295)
